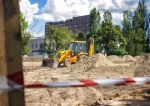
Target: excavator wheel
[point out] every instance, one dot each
(67, 63)
(59, 64)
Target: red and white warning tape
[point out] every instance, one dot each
(86, 83)
(14, 82)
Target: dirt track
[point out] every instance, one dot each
(97, 67)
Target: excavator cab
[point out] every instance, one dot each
(78, 47)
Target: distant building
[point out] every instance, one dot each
(76, 24)
(34, 46)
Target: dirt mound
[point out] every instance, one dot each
(143, 66)
(91, 62)
(128, 58)
(137, 57)
(114, 58)
(101, 60)
(124, 59)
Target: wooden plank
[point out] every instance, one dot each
(10, 49)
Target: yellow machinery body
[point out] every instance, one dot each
(75, 51)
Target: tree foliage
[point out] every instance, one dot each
(147, 29)
(94, 26)
(138, 31)
(111, 38)
(134, 29)
(25, 35)
(94, 21)
(127, 24)
(132, 38)
(80, 36)
(57, 38)
(127, 29)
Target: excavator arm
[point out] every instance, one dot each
(90, 46)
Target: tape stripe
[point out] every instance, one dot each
(14, 82)
(35, 86)
(16, 77)
(86, 83)
(129, 80)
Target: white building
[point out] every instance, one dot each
(35, 46)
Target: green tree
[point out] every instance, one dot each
(138, 28)
(80, 37)
(25, 35)
(57, 38)
(147, 29)
(121, 41)
(94, 21)
(140, 14)
(111, 40)
(126, 30)
(94, 26)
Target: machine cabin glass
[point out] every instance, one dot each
(78, 47)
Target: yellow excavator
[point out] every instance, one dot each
(77, 51)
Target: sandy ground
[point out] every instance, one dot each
(89, 96)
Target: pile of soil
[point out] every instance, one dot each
(143, 66)
(128, 58)
(114, 58)
(91, 62)
(124, 59)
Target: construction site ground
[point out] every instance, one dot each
(96, 67)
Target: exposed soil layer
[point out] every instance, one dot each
(143, 66)
(96, 67)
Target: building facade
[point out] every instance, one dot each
(76, 24)
(35, 46)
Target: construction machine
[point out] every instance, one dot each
(77, 51)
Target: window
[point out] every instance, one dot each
(71, 46)
(36, 46)
(32, 46)
(41, 44)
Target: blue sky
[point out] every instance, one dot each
(41, 3)
(37, 12)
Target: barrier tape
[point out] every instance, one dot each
(15, 82)
(87, 83)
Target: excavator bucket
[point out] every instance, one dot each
(49, 62)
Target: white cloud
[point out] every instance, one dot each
(148, 5)
(64, 9)
(117, 18)
(57, 10)
(35, 34)
(28, 9)
(45, 17)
